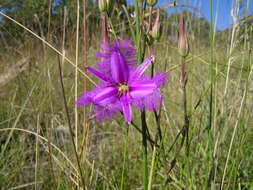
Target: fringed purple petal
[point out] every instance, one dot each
(119, 68)
(160, 79)
(109, 112)
(99, 74)
(87, 98)
(126, 108)
(141, 69)
(125, 48)
(151, 102)
(142, 88)
(105, 93)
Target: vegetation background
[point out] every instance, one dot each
(36, 151)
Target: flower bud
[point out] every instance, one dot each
(183, 46)
(104, 5)
(155, 32)
(152, 3)
(109, 4)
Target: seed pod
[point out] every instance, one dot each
(152, 3)
(183, 46)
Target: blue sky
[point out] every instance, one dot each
(222, 7)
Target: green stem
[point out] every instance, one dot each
(138, 33)
(140, 55)
(124, 162)
(145, 150)
(211, 66)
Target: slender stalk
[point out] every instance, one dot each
(48, 131)
(152, 169)
(138, 32)
(183, 48)
(36, 153)
(69, 122)
(64, 34)
(145, 150)
(151, 141)
(49, 19)
(76, 72)
(235, 11)
(140, 54)
(124, 161)
(184, 78)
(85, 63)
(211, 65)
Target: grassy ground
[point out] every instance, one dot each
(36, 149)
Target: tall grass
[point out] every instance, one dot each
(39, 150)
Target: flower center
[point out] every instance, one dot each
(122, 89)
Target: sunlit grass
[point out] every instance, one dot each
(36, 149)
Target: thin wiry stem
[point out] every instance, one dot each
(36, 154)
(151, 141)
(49, 18)
(145, 149)
(124, 161)
(85, 63)
(184, 79)
(69, 122)
(76, 72)
(140, 54)
(152, 169)
(211, 66)
(234, 12)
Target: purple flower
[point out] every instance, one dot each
(122, 83)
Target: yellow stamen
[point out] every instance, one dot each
(122, 88)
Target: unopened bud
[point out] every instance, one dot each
(183, 46)
(152, 3)
(105, 5)
(155, 32)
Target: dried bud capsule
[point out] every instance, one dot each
(155, 32)
(183, 46)
(152, 3)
